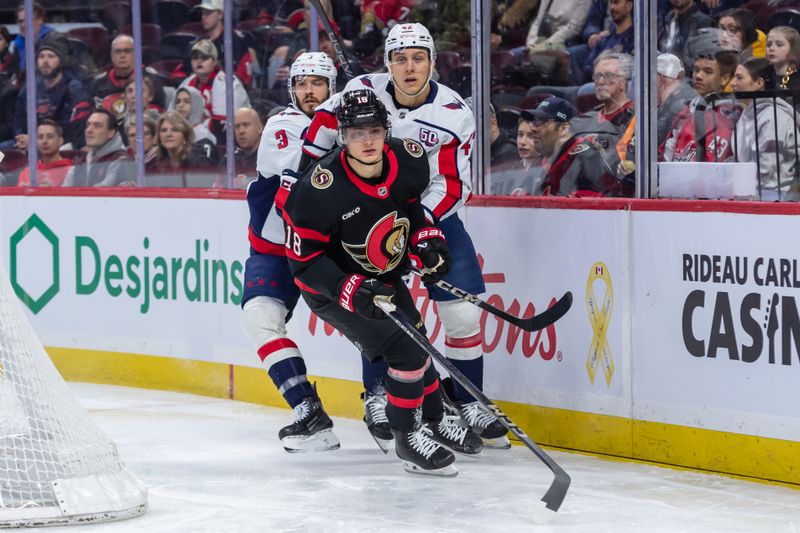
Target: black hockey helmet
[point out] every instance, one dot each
(361, 107)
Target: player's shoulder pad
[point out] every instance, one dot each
(287, 117)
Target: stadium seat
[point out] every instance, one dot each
(176, 45)
(97, 42)
(786, 16)
(507, 99)
(151, 33)
(586, 103)
(116, 15)
(172, 14)
(446, 63)
(194, 26)
(12, 164)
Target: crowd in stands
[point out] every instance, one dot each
(727, 76)
(561, 121)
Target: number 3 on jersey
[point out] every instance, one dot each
(283, 140)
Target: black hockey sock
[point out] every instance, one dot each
(432, 408)
(404, 394)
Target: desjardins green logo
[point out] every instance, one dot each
(141, 277)
(31, 229)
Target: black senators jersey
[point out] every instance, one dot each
(338, 223)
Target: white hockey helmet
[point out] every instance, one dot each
(312, 64)
(412, 35)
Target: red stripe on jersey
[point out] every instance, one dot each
(431, 388)
(322, 118)
(302, 258)
(304, 287)
(448, 167)
(370, 189)
(306, 233)
(273, 346)
(466, 342)
(263, 246)
(404, 403)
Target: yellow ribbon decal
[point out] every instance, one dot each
(599, 318)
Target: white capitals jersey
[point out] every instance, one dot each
(280, 149)
(443, 125)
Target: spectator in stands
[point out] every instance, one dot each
(502, 150)
(106, 164)
(108, 88)
(712, 72)
(148, 137)
(208, 78)
(575, 166)
(9, 84)
(672, 91)
(740, 24)
(189, 104)
(766, 134)
(612, 71)
(40, 29)
(52, 168)
(248, 127)
(678, 24)
(523, 175)
(783, 52)
(618, 38)
(245, 61)
(59, 96)
(150, 107)
(556, 23)
(181, 163)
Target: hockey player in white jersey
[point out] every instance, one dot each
(437, 117)
(270, 293)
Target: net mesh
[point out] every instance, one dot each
(46, 436)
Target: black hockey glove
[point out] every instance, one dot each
(430, 247)
(357, 294)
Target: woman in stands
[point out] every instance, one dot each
(765, 131)
(740, 24)
(181, 162)
(149, 138)
(783, 52)
(189, 103)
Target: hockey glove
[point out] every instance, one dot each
(430, 247)
(357, 294)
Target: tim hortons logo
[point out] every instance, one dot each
(498, 335)
(384, 246)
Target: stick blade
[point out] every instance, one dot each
(541, 514)
(549, 316)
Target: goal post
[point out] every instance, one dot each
(56, 466)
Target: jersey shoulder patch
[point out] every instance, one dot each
(321, 178)
(578, 149)
(413, 148)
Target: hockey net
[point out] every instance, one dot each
(56, 466)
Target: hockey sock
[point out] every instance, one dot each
(373, 374)
(404, 394)
(289, 376)
(473, 370)
(432, 408)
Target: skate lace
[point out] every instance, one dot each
(376, 408)
(476, 416)
(422, 442)
(302, 410)
(452, 430)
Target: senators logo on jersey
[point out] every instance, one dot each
(384, 246)
(322, 178)
(413, 148)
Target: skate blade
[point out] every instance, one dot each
(318, 442)
(383, 444)
(500, 443)
(447, 471)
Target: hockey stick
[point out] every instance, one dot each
(558, 488)
(337, 45)
(534, 323)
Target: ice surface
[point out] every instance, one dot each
(217, 465)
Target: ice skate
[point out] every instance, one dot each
(420, 454)
(312, 429)
(451, 433)
(375, 418)
(473, 414)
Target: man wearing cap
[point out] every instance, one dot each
(673, 93)
(574, 165)
(60, 97)
(208, 78)
(244, 58)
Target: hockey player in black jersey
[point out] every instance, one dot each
(351, 222)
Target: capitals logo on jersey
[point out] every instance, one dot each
(384, 246)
